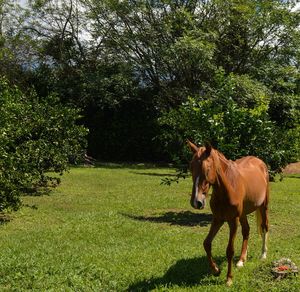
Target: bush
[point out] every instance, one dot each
(237, 127)
(37, 137)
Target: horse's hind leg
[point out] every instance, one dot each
(264, 229)
(264, 218)
(245, 233)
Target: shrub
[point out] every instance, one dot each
(234, 117)
(36, 137)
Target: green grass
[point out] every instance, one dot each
(118, 229)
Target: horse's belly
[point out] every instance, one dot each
(249, 207)
(255, 191)
(253, 200)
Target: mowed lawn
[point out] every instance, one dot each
(118, 229)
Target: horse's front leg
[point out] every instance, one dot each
(214, 228)
(233, 225)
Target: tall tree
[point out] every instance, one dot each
(12, 48)
(177, 46)
(105, 56)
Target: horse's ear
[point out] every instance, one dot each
(208, 148)
(192, 146)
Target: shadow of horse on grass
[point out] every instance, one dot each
(182, 218)
(184, 273)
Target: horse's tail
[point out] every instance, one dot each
(259, 221)
(266, 201)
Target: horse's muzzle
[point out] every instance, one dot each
(200, 204)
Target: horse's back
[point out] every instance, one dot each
(250, 161)
(252, 166)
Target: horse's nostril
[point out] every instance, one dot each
(199, 204)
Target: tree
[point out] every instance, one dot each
(231, 125)
(105, 56)
(12, 48)
(38, 136)
(177, 46)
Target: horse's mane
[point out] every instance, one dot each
(226, 169)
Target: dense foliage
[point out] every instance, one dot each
(149, 74)
(37, 137)
(238, 125)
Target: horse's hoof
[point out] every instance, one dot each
(240, 264)
(216, 272)
(229, 282)
(263, 256)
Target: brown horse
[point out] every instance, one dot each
(239, 187)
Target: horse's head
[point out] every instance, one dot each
(204, 173)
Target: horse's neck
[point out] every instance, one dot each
(226, 177)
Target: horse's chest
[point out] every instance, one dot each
(223, 209)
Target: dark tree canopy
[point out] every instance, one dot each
(147, 74)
